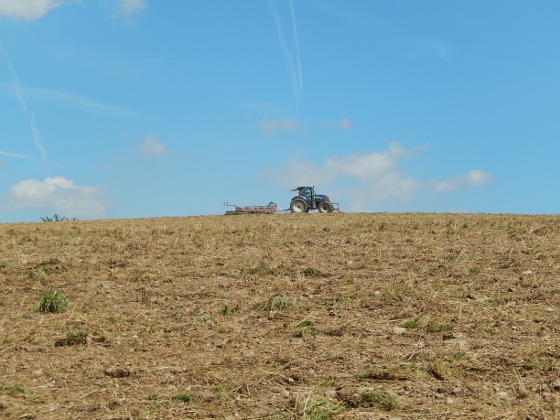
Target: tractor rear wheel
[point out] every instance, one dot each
(326, 207)
(299, 205)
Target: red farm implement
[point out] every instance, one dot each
(268, 209)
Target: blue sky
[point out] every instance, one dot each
(144, 108)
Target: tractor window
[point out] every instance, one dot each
(306, 192)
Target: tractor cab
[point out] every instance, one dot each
(308, 193)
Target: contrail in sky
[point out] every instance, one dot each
(16, 155)
(297, 47)
(18, 88)
(37, 138)
(293, 68)
(20, 156)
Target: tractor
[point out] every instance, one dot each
(306, 200)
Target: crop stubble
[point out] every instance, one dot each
(363, 316)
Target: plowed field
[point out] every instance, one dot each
(307, 316)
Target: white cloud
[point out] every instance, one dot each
(57, 193)
(344, 124)
(296, 172)
(389, 187)
(369, 166)
(448, 185)
(474, 178)
(129, 7)
(150, 146)
(269, 126)
(27, 9)
(364, 180)
(478, 178)
(376, 174)
(35, 9)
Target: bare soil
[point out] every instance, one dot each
(307, 316)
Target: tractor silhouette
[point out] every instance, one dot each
(307, 200)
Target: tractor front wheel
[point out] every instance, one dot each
(299, 205)
(326, 207)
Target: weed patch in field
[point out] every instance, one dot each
(278, 303)
(261, 270)
(438, 328)
(53, 302)
(413, 323)
(316, 409)
(380, 398)
(73, 337)
(186, 398)
(382, 374)
(305, 323)
(309, 272)
(15, 389)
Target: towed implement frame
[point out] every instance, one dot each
(268, 209)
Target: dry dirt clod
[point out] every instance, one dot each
(117, 372)
(453, 336)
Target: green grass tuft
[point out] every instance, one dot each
(53, 302)
(278, 303)
(187, 398)
(317, 409)
(413, 323)
(381, 399)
